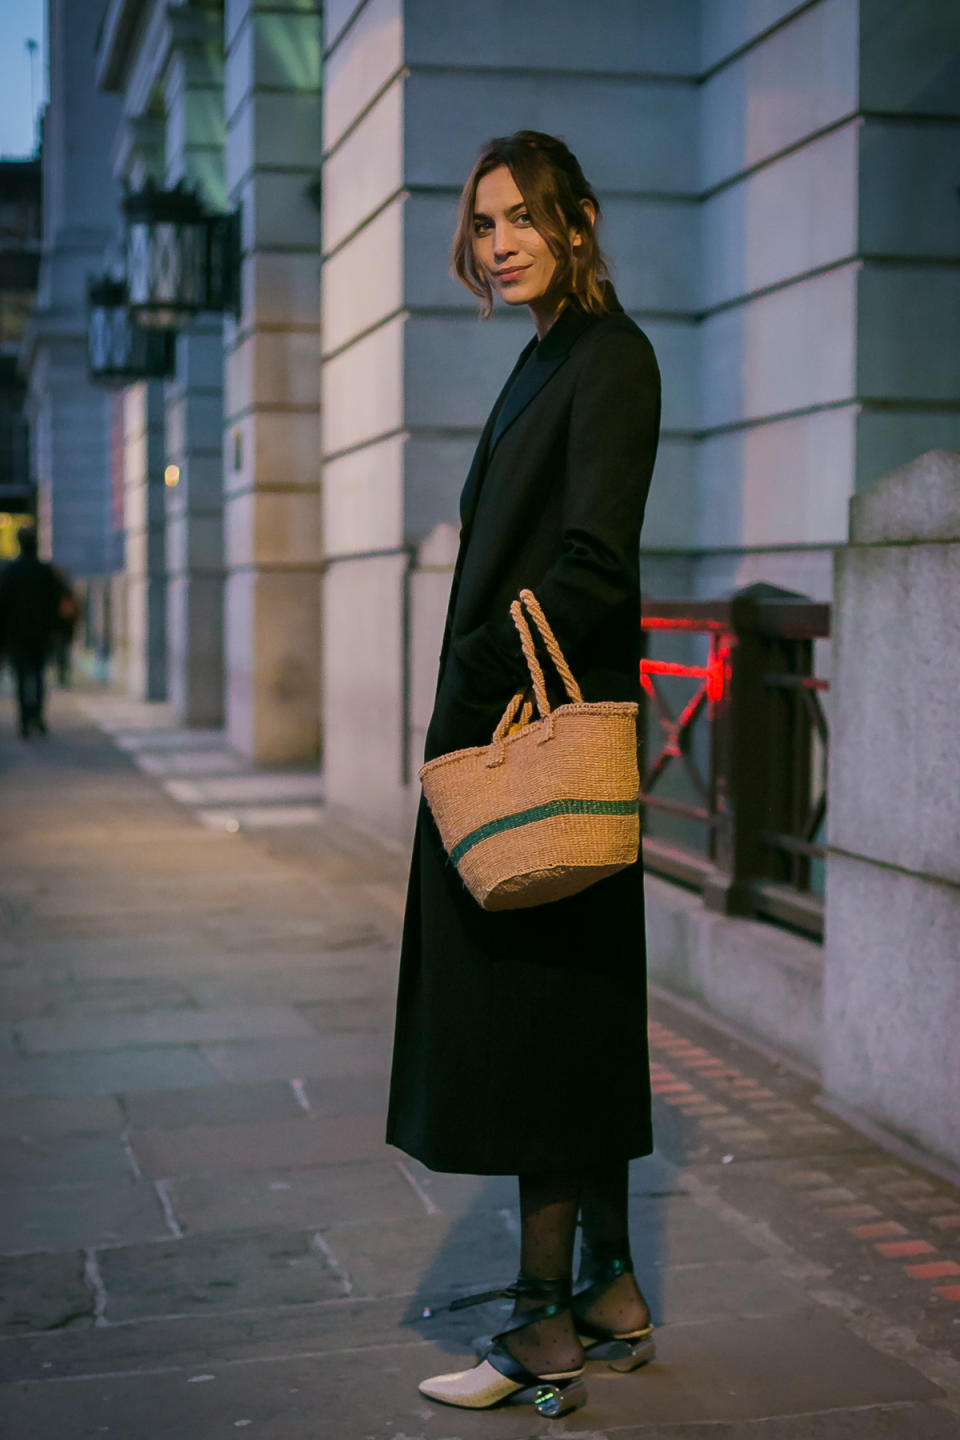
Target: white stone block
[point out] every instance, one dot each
(623, 36)
(363, 280)
(586, 110)
(429, 595)
(676, 344)
(803, 77)
(909, 57)
(273, 367)
(908, 326)
(365, 169)
(893, 761)
(890, 438)
(920, 501)
(670, 517)
(435, 470)
(891, 998)
(787, 482)
(363, 390)
(280, 288)
(655, 250)
(364, 718)
(456, 365)
(728, 25)
(909, 162)
(269, 527)
(134, 510)
(337, 14)
(279, 131)
(277, 50)
(782, 221)
(277, 211)
(272, 644)
(363, 498)
(808, 572)
(362, 65)
(273, 447)
(789, 350)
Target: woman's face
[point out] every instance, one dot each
(507, 247)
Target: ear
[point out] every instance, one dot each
(590, 212)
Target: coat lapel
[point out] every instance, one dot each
(471, 489)
(550, 354)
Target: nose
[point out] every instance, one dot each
(503, 245)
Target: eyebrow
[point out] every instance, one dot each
(481, 215)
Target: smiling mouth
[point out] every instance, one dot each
(512, 273)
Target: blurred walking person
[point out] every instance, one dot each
(68, 612)
(30, 596)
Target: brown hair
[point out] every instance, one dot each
(554, 189)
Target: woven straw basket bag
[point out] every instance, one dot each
(551, 805)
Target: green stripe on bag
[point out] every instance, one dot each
(542, 812)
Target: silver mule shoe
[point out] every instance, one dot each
(621, 1350)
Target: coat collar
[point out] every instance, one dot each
(545, 360)
(545, 357)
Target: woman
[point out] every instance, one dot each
(521, 1036)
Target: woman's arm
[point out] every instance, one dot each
(612, 444)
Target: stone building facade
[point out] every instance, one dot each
(780, 206)
(71, 420)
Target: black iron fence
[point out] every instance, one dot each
(734, 778)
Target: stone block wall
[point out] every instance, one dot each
(892, 981)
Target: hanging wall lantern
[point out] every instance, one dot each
(179, 258)
(119, 351)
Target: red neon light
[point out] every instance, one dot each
(669, 667)
(664, 622)
(714, 672)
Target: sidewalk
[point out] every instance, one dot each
(203, 1233)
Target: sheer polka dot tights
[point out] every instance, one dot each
(549, 1206)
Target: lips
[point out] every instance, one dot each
(513, 273)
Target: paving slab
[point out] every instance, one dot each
(158, 1027)
(325, 1057)
(107, 1072)
(221, 1104)
(32, 1118)
(43, 1292)
(63, 1159)
(733, 1373)
(203, 1273)
(364, 1190)
(347, 1322)
(71, 1217)
(265, 1183)
(261, 1145)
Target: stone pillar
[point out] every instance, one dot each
(193, 97)
(892, 982)
(272, 470)
(70, 417)
(411, 92)
(145, 520)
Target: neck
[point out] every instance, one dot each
(545, 310)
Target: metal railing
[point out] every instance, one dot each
(734, 775)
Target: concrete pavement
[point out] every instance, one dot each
(203, 1232)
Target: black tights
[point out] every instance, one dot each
(549, 1205)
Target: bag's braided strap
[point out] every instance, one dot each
(553, 649)
(509, 720)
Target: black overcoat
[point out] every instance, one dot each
(521, 1036)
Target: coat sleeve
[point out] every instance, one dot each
(612, 445)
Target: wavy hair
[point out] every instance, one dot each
(555, 191)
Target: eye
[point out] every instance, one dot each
(480, 227)
(523, 218)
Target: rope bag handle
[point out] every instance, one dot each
(517, 701)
